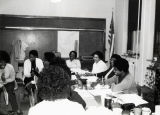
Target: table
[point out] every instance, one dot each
(95, 98)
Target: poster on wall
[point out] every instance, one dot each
(68, 41)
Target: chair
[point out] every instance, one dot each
(147, 94)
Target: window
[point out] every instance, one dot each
(134, 26)
(157, 31)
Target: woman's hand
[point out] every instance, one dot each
(3, 77)
(89, 74)
(77, 75)
(112, 86)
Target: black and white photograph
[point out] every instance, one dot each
(80, 57)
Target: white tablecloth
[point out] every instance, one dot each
(96, 97)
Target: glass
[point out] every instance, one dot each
(125, 112)
(108, 102)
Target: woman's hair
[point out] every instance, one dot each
(122, 65)
(4, 56)
(116, 56)
(34, 53)
(100, 54)
(49, 56)
(75, 53)
(53, 83)
(58, 61)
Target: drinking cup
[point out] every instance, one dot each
(146, 111)
(108, 102)
(137, 111)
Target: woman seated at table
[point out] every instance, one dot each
(73, 63)
(110, 71)
(48, 58)
(54, 89)
(74, 96)
(123, 80)
(99, 65)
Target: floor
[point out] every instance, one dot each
(22, 99)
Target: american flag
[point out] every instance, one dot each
(111, 36)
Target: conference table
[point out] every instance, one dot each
(95, 97)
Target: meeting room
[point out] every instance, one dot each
(79, 57)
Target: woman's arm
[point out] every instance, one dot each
(111, 80)
(40, 65)
(123, 85)
(27, 68)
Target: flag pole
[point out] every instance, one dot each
(111, 36)
(112, 46)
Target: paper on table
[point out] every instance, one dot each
(91, 79)
(131, 98)
(84, 93)
(79, 71)
(97, 92)
(98, 86)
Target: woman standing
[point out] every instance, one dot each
(7, 75)
(32, 67)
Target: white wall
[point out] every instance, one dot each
(68, 8)
(65, 8)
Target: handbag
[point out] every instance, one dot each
(5, 95)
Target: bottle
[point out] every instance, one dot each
(80, 85)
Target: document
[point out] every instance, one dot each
(131, 98)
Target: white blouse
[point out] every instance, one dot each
(27, 66)
(99, 67)
(9, 74)
(74, 64)
(58, 107)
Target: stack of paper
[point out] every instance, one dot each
(131, 98)
(91, 79)
(84, 93)
(98, 92)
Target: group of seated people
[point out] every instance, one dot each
(48, 82)
(117, 75)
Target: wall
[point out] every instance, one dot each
(39, 40)
(44, 40)
(66, 8)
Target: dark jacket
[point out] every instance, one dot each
(102, 74)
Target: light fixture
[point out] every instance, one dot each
(55, 1)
